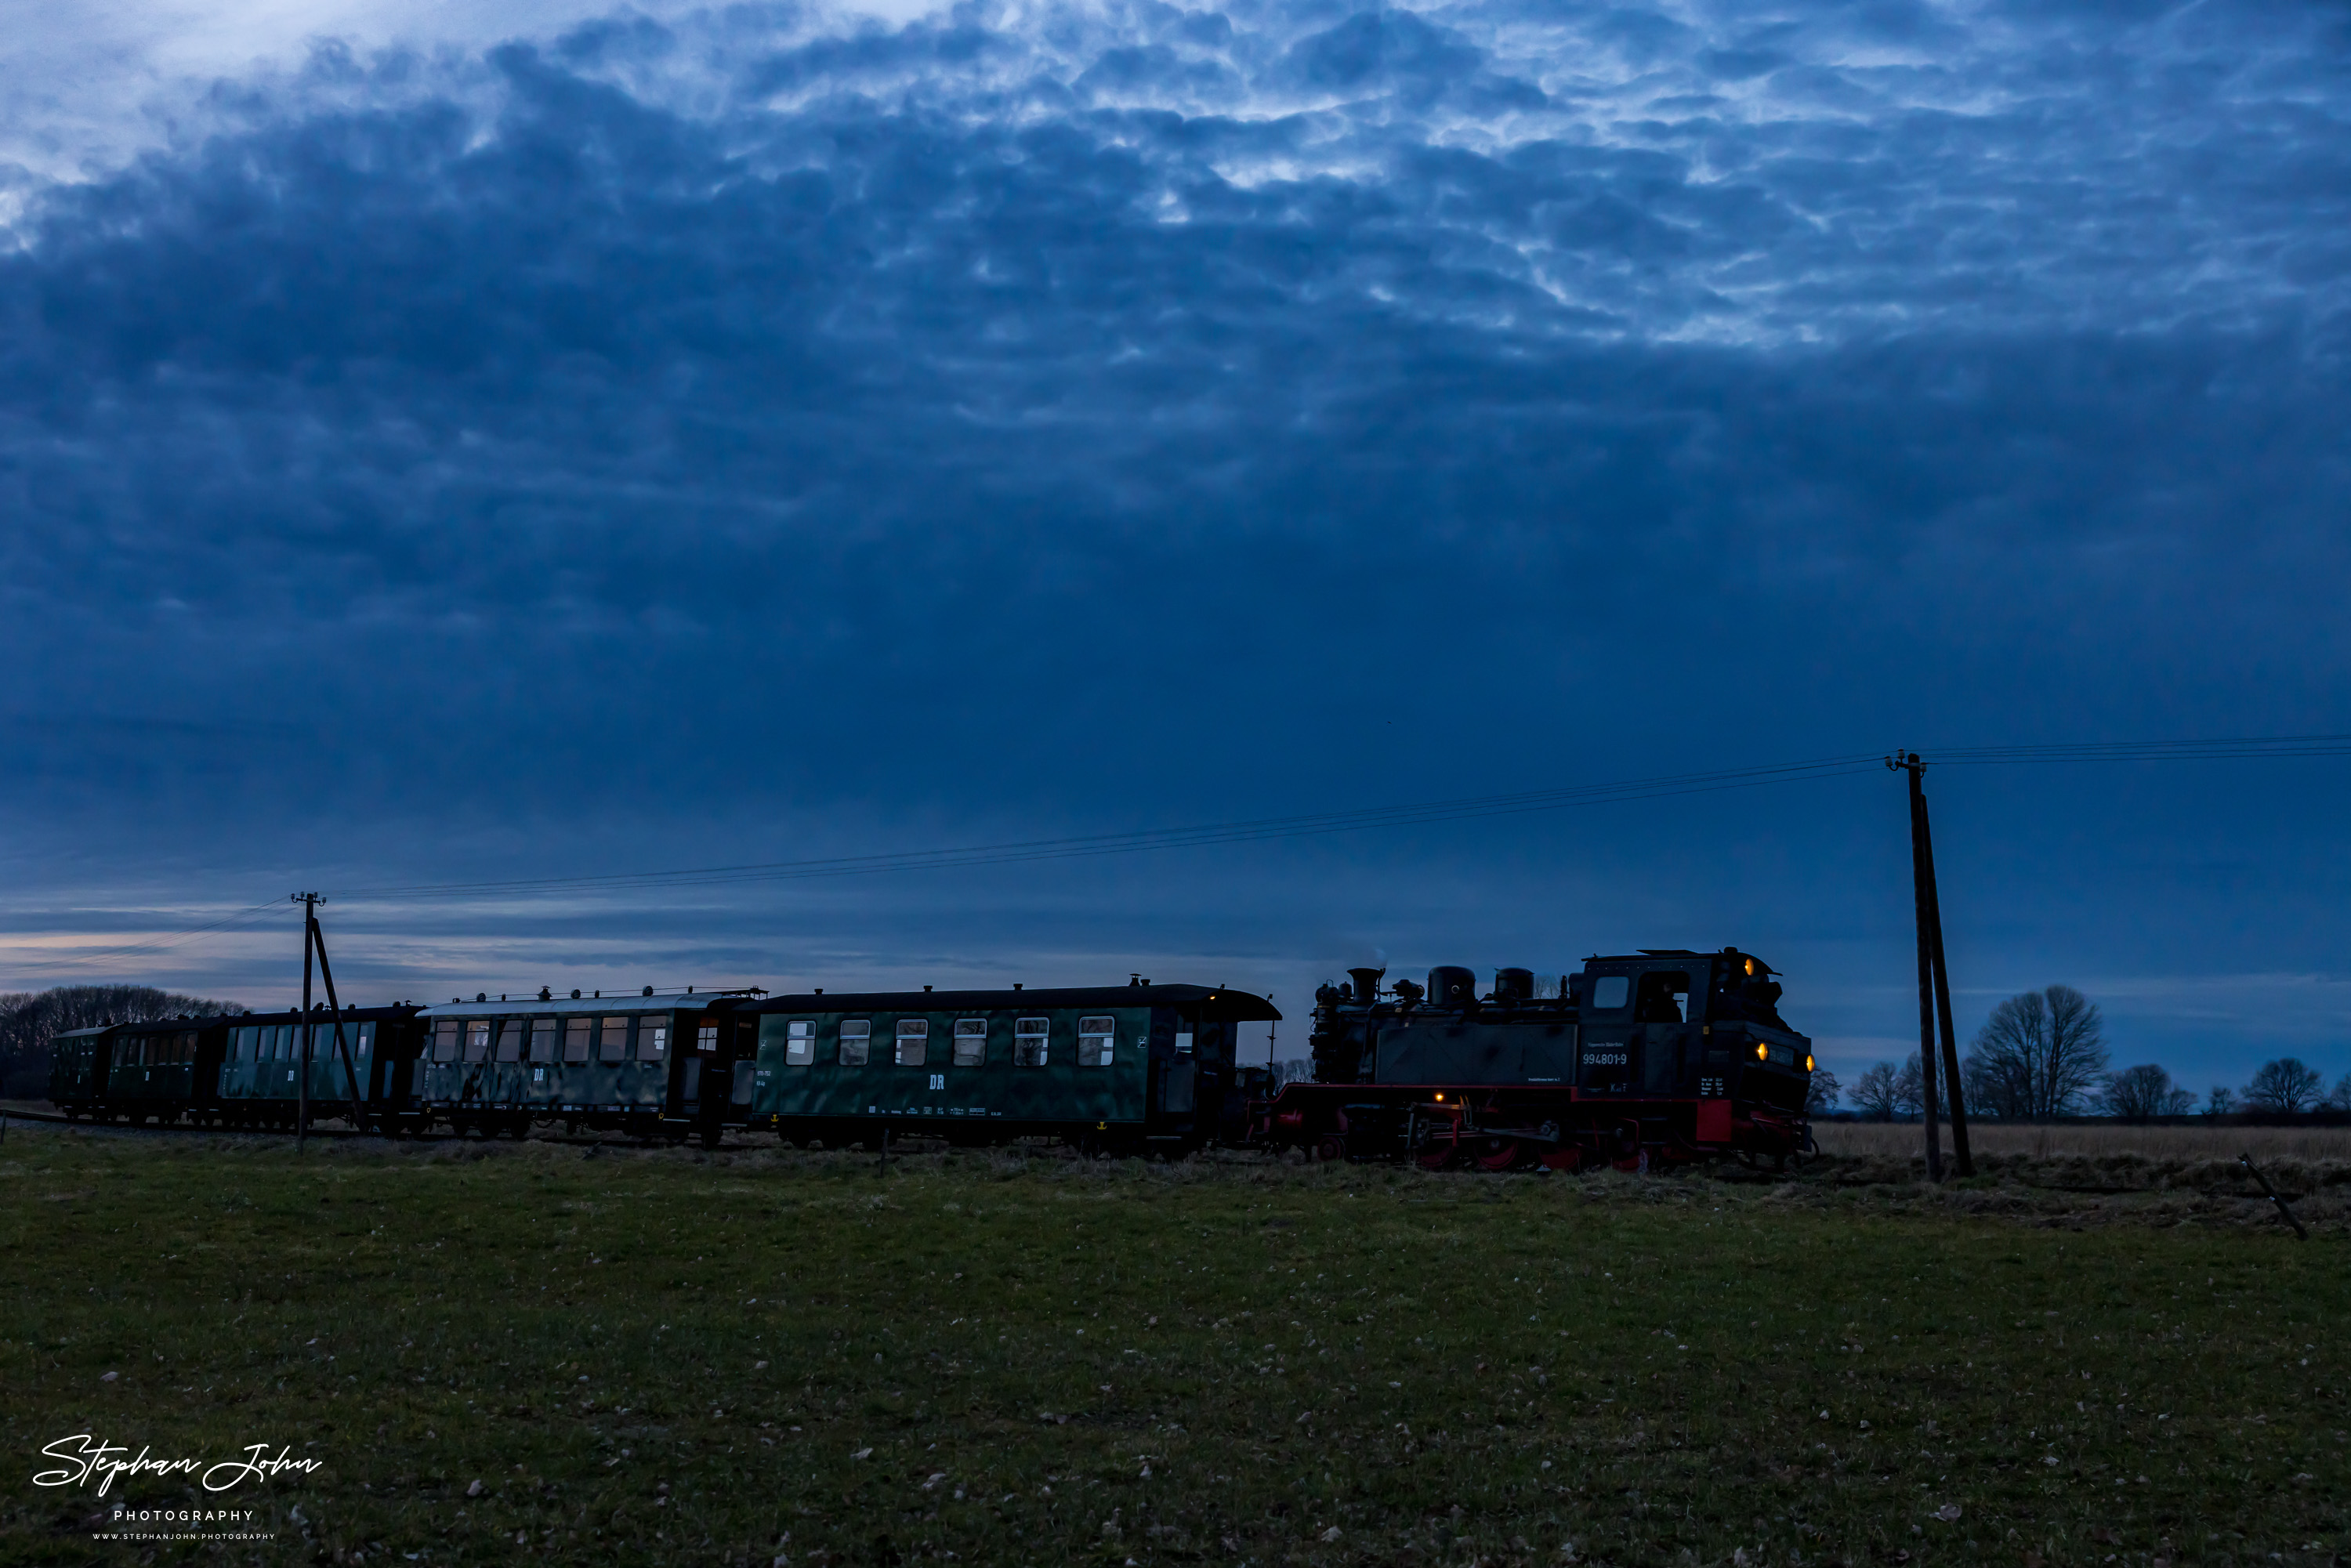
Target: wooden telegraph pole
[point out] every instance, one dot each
(309, 903)
(1934, 984)
(314, 940)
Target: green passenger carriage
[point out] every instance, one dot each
(673, 1064)
(1114, 1067)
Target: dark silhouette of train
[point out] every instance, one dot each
(1664, 1055)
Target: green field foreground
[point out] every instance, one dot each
(542, 1352)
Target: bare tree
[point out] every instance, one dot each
(1822, 1097)
(29, 1022)
(2221, 1103)
(1873, 1092)
(2039, 1055)
(2340, 1100)
(2287, 1084)
(2142, 1093)
(1909, 1089)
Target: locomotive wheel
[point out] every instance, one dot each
(1500, 1155)
(1436, 1157)
(1332, 1148)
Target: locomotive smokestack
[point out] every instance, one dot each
(1367, 984)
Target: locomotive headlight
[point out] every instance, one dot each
(1808, 1061)
(1762, 1052)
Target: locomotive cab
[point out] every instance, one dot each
(1672, 1024)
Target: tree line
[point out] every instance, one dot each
(2043, 1054)
(29, 1021)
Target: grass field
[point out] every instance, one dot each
(544, 1353)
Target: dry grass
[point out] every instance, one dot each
(2100, 1140)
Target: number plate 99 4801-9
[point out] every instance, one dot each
(1604, 1059)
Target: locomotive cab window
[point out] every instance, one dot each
(914, 1042)
(612, 1040)
(575, 1038)
(1658, 1000)
(799, 1042)
(1095, 1038)
(970, 1042)
(478, 1041)
(1609, 992)
(511, 1037)
(855, 1033)
(653, 1039)
(367, 1039)
(1028, 1041)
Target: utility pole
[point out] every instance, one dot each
(309, 903)
(314, 940)
(335, 1010)
(1934, 984)
(1954, 1092)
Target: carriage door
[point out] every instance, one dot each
(747, 1066)
(700, 1062)
(1177, 1073)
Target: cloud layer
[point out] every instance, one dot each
(767, 426)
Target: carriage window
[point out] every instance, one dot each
(575, 1038)
(705, 1039)
(1183, 1042)
(799, 1042)
(445, 1047)
(913, 1042)
(854, 1036)
(1094, 1039)
(510, 1040)
(542, 1039)
(653, 1039)
(240, 1044)
(367, 1039)
(612, 1040)
(970, 1042)
(1609, 992)
(478, 1041)
(1028, 1041)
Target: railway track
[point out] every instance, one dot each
(14, 1115)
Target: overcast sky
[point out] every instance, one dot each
(440, 444)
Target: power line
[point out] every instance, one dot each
(1265, 829)
(1307, 825)
(1254, 831)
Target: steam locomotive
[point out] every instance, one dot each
(1662, 1055)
